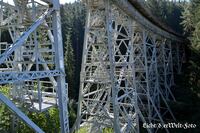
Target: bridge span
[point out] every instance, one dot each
(128, 66)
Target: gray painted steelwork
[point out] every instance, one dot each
(33, 64)
(127, 69)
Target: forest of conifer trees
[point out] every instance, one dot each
(183, 17)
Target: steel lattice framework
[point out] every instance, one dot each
(32, 62)
(127, 69)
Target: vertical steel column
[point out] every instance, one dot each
(35, 41)
(131, 70)
(178, 58)
(61, 88)
(139, 76)
(26, 52)
(165, 70)
(95, 107)
(144, 37)
(76, 126)
(157, 87)
(15, 125)
(168, 69)
(171, 68)
(112, 66)
(132, 29)
(148, 67)
(158, 82)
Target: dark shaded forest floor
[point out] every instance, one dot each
(187, 94)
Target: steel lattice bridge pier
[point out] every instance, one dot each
(31, 59)
(128, 67)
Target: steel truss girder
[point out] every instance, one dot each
(7, 77)
(27, 41)
(179, 55)
(24, 36)
(121, 74)
(132, 11)
(167, 66)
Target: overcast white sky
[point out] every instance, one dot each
(61, 1)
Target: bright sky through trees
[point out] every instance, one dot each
(66, 1)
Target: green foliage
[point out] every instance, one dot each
(191, 22)
(187, 93)
(187, 19)
(5, 115)
(72, 113)
(108, 130)
(167, 12)
(82, 130)
(73, 21)
(86, 130)
(69, 62)
(157, 8)
(48, 121)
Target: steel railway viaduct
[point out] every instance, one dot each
(128, 65)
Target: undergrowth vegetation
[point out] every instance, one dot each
(48, 121)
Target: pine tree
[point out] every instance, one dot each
(187, 19)
(73, 18)
(191, 23)
(167, 12)
(69, 63)
(154, 6)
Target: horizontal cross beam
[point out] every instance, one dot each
(19, 42)
(11, 77)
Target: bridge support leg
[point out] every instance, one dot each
(119, 78)
(20, 114)
(61, 87)
(114, 82)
